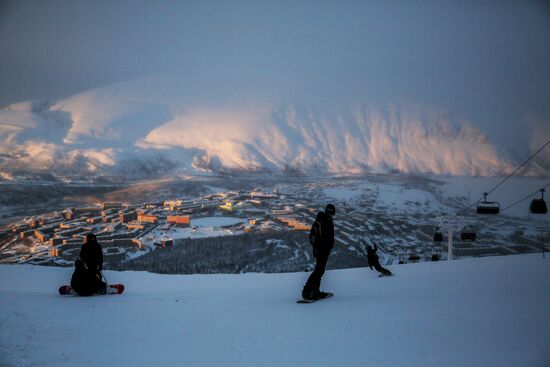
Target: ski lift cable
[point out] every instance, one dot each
(512, 205)
(517, 169)
(468, 207)
(506, 178)
(527, 197)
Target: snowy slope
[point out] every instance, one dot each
(152, 126)
(475, 312)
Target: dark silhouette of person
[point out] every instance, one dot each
(91, 253)
(372, 258)
(321, 238)
(86, 279)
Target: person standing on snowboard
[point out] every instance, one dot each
(321, 238)
(87, 278)
(373, 260)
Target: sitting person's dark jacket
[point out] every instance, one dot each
(91, 253)
(86, 279)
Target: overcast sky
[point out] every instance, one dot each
(486, 61)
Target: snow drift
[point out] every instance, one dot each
(150, 127)
(471, 312)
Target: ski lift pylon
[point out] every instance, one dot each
(538, 206)
(488, 207)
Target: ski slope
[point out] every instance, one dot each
(471, 312)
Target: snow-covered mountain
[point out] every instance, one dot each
(471, 312)
(150, 127)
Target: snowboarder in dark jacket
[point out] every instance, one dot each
(372, 257)
(321, 238)
(91, 253)
(86, 279)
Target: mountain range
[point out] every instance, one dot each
(152, 127)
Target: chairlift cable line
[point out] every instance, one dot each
(475, 225)
(507, 177)
(517, 169)
(514, 204)
(527, 197)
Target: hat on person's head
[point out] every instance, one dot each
(330, 209)
(90, 237)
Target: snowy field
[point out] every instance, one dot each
(216, 221)
(393, 196)
(200, 228)
(471, 312)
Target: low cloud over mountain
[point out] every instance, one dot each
(137, 130)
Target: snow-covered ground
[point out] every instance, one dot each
(216, 221)
(200, 228)
(343, 193)
(472, 312)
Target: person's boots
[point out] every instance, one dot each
(103, 288)
(322, 295)
(308, 294)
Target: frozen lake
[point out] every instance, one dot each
(216, 221)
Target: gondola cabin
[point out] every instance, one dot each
(538, 206)
(488, 207)
(468, 234)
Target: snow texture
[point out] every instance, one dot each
(216, 221)
(474, 312)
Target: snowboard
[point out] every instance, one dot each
(67, 290)
(384, 275)
(329, 295)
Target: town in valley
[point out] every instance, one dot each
(266, 229)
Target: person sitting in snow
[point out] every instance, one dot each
(372, 258)
(87, 278)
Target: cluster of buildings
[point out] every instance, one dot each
(122, 229)
(126, 231)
